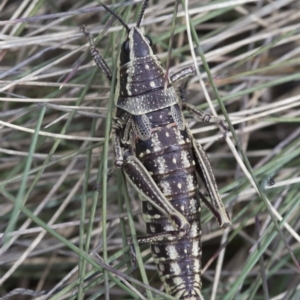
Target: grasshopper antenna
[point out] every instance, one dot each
(117, 17)
(138, 23)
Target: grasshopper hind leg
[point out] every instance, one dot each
(142, 181)
(215, 204)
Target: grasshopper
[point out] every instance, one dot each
(161, 160)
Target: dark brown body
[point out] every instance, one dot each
(161, 159)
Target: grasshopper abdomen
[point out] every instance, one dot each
(169, 158)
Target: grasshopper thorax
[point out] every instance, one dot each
(142, 86)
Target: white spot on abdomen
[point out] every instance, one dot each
(175, 268)
(190, 183)
(195, 248)
(165, 187)
(162, 168)
(196, 265)
(173, 254)
(168, 227)
(184, 158)
(156, 144)
(194, 229)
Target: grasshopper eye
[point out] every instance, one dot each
(125, 46)
(148, 39)
(125, 52)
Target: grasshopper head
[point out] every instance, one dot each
(137, 45)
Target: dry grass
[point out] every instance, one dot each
(57, 229)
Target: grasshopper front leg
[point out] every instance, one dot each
(206, 117)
